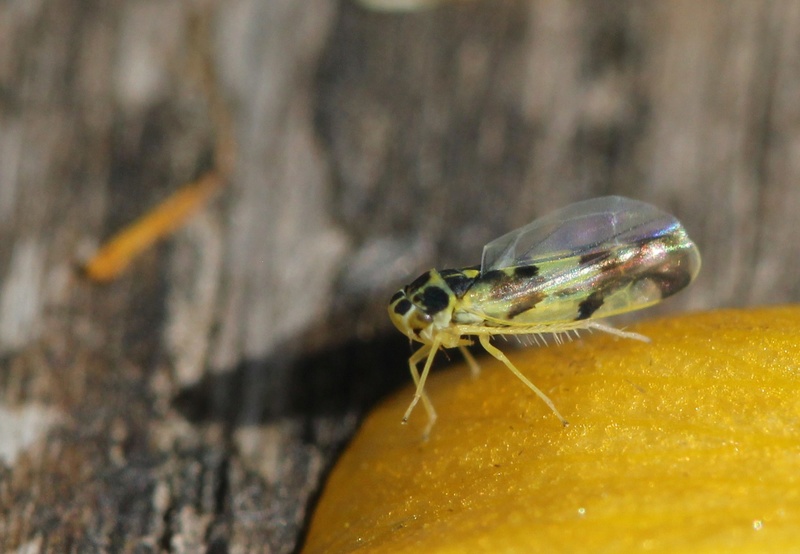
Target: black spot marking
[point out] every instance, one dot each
(434, 300)
(458, 283)
(593, 257)
(495, 276)
(524, 304)
(526, 271)
(419, 282)
(520, 294)
(402, 307)
(503, 286)
(396, 296)
(670, 282)
(590, 305)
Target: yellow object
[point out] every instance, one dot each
(689, 443)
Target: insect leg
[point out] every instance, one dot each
(485, 342)
(474, 368)
(614, 331)
(419, 380)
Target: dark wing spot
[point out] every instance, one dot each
(396, 296)
(419, 282)
(520, 287)
(590, 305)
(504, 285)
(402, 307)
(526, 271)
(433, 300)
(670, 282)
(494, 277)
(458, 283)
(593, 257)
(523, 304)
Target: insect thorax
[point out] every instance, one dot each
(424, 308)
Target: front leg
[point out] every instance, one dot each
(419, 381)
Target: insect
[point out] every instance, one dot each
(560, 273)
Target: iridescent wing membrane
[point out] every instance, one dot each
(591, 259)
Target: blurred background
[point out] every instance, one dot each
(198, 400)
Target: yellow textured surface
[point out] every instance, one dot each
(689, 443)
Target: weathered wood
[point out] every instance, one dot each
(196, 402)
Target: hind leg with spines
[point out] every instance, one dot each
(614, 331)
(474, 368)
(491, 349)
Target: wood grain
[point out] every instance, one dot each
(199, 400)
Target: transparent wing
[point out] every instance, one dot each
(580, 229)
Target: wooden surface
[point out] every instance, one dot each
(199, 400)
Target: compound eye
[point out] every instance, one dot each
(422, 320)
